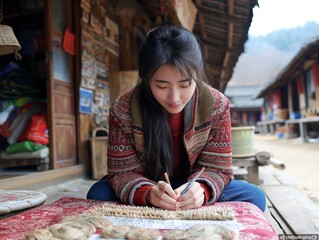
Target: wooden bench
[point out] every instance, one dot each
(247, 168)
(303, 125)
(270, 126)
(39, 158)
(251, 165)
(42, 164)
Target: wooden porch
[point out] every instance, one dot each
(290, 210)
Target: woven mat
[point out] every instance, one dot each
(205, 213)
(14, 200)
(255, 224)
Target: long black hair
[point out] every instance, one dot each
(175, 46)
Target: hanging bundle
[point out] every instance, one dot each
(8, 41)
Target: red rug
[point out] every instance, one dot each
(17, 226)
(255, 224)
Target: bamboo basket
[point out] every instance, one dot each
(8, 41)
(99, 154)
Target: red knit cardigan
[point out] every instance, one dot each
(207, 139)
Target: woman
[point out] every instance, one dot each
(171, 122)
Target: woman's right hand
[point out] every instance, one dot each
(162, 195)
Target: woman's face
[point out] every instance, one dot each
(170, 89)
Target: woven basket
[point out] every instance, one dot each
(8, 41)
(243, 141)
(99, 154)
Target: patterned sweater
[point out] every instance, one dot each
(207, 140)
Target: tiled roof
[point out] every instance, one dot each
(243, 97)
(293, 69)
(232, 91)
(245, 102)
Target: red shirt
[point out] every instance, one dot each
(177, 127)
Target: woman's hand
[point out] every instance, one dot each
(193, 198)
(163, 196)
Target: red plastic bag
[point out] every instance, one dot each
(37, 129)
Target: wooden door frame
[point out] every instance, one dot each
(49, 67)
(51, 84)
(77, 82)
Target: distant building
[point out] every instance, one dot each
(291, 99)
(245, 110)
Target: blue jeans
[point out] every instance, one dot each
(236, 190)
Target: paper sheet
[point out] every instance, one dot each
(167, 224)
(171, 224)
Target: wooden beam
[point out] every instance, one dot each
(230, 7)
(221, 44)
(218, 68)
(215, 42)
(221, 4)
(202, 25)
(222, 87)
(198, 2)
(218, 30)
(223, 48)
(230, 34)
(226, 59)
(290, 98)
(186, 12)
(230, 27)
(221, 14)
(308, 63)
(230, 30)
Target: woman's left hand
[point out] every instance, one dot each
(193, 198)
(162, 195)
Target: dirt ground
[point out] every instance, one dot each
(301, 160)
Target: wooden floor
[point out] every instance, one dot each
(289, 210)
(294, 212)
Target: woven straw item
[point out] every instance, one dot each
(205, 213)
(8, 41)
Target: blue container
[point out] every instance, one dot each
(280, 135)
(271, 116)
(295, 115)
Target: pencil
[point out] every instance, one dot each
(167, 178)
(192, 181)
